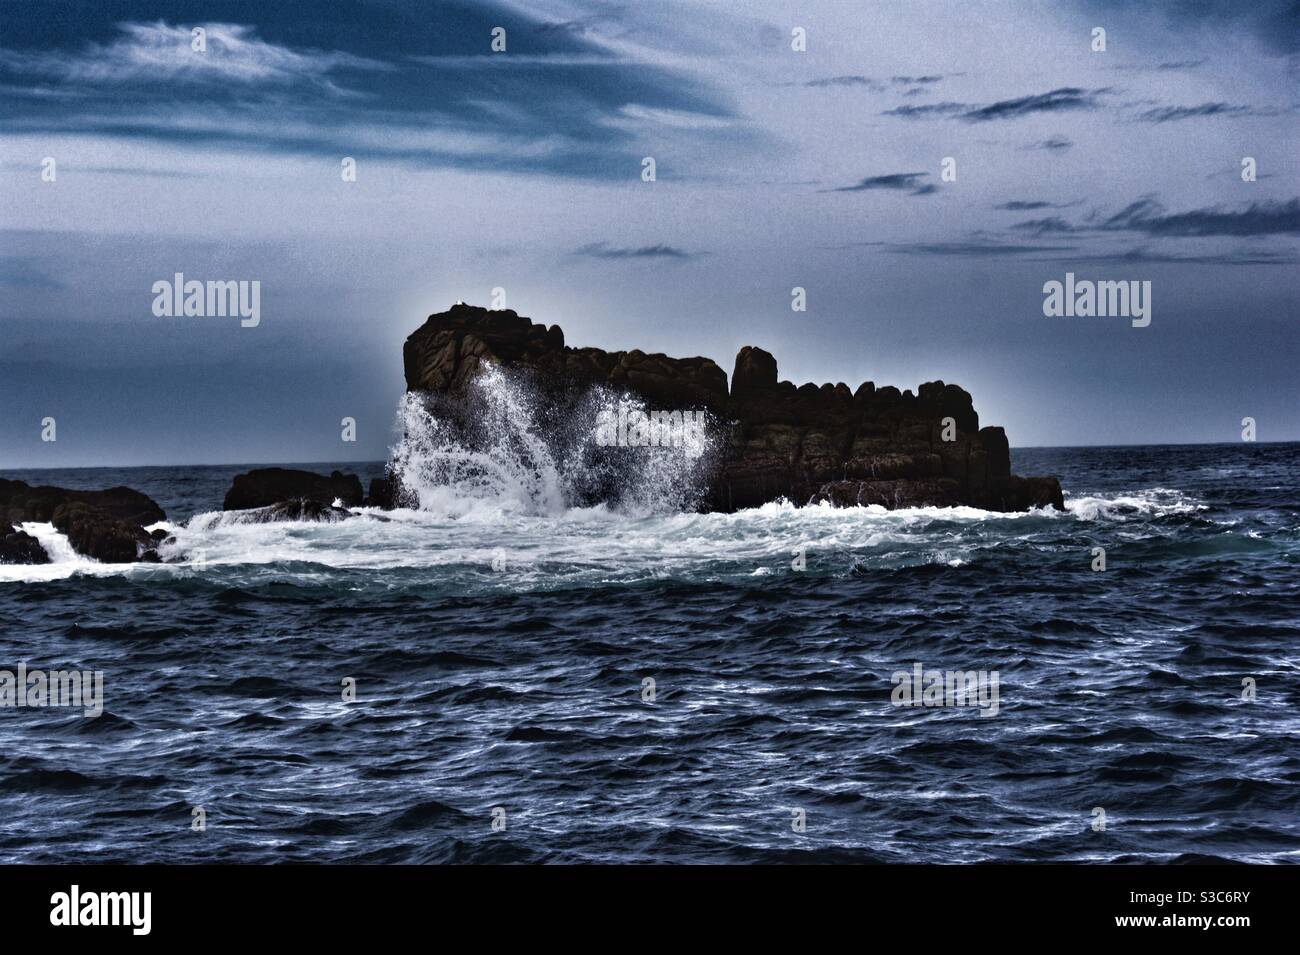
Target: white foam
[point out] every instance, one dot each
(583, 545)
(1151, 502)
(512, 471)
(507, 466)
(64, 561)
(495, 509)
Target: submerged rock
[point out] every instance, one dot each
(296, 509)
(266, 486)
(19, 547)
(802, 443)
(107, 525)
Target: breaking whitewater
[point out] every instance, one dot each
(610, 496)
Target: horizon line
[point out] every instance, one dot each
(335, 462)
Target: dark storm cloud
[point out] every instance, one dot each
(1259, 218)
(601, 250)
(910, 182)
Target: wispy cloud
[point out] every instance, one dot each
(1169, 114)
(989, 247)
(1150, 217)
(1162, 67)
(579, 27)
(1057, 143)
(1049, 225)
(1055, 101)
(556, 104)
(973, 248)
(601, 250)
(854, 80)
(1259, 218)
(913, 183)
(917, 83)
(1058, 100)
(161, 52)
(1142, 255)
(1030, 205)
(926, 110)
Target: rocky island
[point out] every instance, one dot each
(804, 443)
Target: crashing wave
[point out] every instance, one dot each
(500, 445)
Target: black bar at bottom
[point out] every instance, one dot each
(374, 903)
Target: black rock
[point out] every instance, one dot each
(382, 493)
(21, 502)
(19, 547)
(107, 525)
(266, 486)
(96, 534)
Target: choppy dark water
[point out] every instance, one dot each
(521, 687)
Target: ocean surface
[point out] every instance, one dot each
(500, 643)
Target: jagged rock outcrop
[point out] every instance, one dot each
(264, 487)
(804, 443)
(869, 446)
(450, 349)
(107, 525)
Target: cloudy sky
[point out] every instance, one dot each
(522, 169)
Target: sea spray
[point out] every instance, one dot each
(486, 450)
(501, 445)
